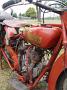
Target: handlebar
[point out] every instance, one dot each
(11, 2)
(47, 8)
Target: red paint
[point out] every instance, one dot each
(64, 18)
(43, 37)
(50, 63)
(56, 70)
(14, 57)
(6, 58)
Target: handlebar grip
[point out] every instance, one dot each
(10, 3)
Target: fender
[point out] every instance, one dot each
(56, 70)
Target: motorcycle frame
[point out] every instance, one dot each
(61, 42)
(45, 69)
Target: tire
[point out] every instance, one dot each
(62, 82)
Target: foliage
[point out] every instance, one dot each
(20, 15)
(63, 3)
(14, 15)
(24, 14)
(31, 12)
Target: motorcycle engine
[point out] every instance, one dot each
(35, 58)
(35, 64)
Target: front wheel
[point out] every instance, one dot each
(62, 82)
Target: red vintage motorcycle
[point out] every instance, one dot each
(41, 44)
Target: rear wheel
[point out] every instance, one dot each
(62, 82)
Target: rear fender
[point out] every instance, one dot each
(56, 70)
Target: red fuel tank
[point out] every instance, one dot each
(43, 37)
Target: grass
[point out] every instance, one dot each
(46, 21)
(6, 74)
(4, 77)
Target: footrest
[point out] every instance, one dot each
(16, 84)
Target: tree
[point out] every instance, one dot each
(24, 14)
(11, 11)
(14, 15)
(20, 15)
(31, 12)
(63, 3)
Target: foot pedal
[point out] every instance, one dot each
(16, 84)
